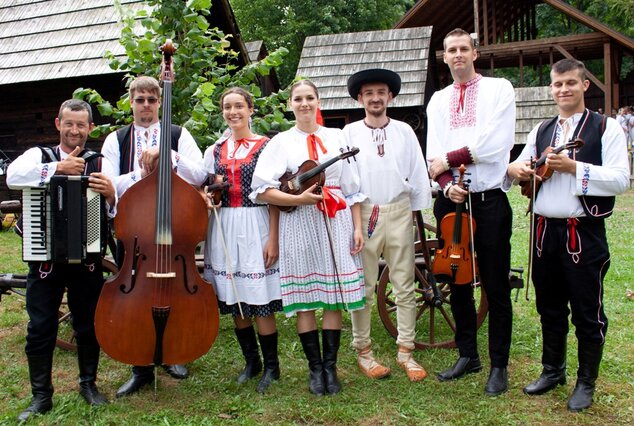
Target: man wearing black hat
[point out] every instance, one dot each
(472, 122)
(394, 178)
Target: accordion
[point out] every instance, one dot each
(63, 221)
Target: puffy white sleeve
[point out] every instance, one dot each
(121, 182)
(272, 164)
(436, 119)
(612, 177)
(349, 181)
(28, 171)
(188, 161)
(497, 137)
(418, 178)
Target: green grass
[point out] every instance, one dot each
(210, 395)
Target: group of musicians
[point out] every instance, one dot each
(323, 253)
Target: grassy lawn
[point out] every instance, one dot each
(210, 395)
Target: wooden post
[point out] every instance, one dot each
(607, 72)
(521, 69)
(476, 21)
(486, 22)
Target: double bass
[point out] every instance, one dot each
(157, 309)
(455, 260)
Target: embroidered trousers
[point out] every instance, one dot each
(569, 264)
(393, 238)
(44, 291)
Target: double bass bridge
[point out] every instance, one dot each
(160, 275)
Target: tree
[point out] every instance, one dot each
(204, 66)
(286, 23)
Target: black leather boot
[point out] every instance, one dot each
(177, 371)
(331, 340)
(310, 343)
(88, 360)
(554, 365)
(463, 366)
(249, 346)
(589, 360)
(498, 381)
(268, 344)
(141, 376)
(40, 369)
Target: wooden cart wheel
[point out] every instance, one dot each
(435, 326)
(65, 334)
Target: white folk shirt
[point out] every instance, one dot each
(28, 171)
(399, 172)
(486, 125)
(288, 150)
(188, 161)
(558, 197)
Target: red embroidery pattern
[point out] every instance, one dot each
(466, 117)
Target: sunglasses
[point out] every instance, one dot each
(141, 101)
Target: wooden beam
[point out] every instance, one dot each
(608, 72)
(591, 76)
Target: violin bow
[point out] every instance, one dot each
(227, 257)
(531, 232)
(471, 242)
(332, 253)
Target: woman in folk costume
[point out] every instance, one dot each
(241, 254)
(320, 240)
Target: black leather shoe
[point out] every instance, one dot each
(548, 380)
(177, 371)
(463, 366)
(91, 394)
(135, 383)
(498, 382)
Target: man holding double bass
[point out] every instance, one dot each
(472, 122)
(135, 149)
(570, 249)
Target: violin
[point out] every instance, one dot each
(157, 309)
(454, 261)
(542, 170)
(216, 187)
(310, 172)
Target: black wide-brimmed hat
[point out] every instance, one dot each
(374, 75)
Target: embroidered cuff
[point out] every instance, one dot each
(445, 180)
(459, 156)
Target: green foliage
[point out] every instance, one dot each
(204, 66)
(286, 23)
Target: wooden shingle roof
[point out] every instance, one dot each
(44, 40)
(253, 49)
(328, 61)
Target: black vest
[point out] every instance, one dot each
(589, 129)
(124, 137)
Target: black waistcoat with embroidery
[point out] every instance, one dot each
(590, 129)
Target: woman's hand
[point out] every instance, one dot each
(357, 238)
(271, 252)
